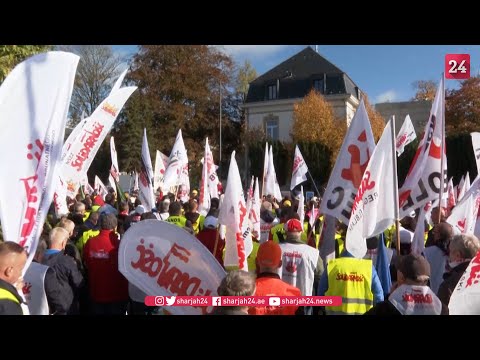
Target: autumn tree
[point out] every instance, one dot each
(425, 90)
(97, 71)
(314, 121)
(245, 75)
(11, 55)
(462, 113)
(179, 88)
(377, 121)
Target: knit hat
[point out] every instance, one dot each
(293, 226)
(269, 254)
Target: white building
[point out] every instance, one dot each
(271, 97)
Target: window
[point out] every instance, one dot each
(272, 92)
(318, 85)
(271, 127)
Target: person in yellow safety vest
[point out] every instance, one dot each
(340, 235)
(192, 214)
(355, 280)
(253, 256)
(175, 218)
(389, 235)
(13, 258)
(277, 232)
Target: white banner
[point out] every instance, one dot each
(300, 169)
(418, 244)
(476, 148)
(271, 183)
(423, 180)
(232, 214)
(351, 163)
(373, 209)
(136, 187)
(145, 177)
(77, 130)
(212, 174)
(85, 147)
(161, 163)
(204, 196)
(60, 196)
(301, 206)
(265, 169)
(452, 196)
(34, 101)
(465, 299)
(406, 135)
(162, 259)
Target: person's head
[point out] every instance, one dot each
(267, 206)
(124, 206)
(108, 222)
(269, 257)
(194, 193)
(175, 209)
(13, 258)
(110, 199)
(193, 205)
(214, 203)
(58, 238)
(210, 222)
(88, 202)
(435, 212)
(409, 222)
(139, 210)
(442, 233)
(164, 205)
(293, 228)
(463, 248)
(93, 217)
(413, 270)
(68, 225)
(79, 208)
(41, 247)
(237, 283)
(148, 216)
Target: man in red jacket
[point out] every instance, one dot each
(108, 287)
(269, 260)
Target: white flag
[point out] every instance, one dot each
(145, 177)
(254, 215)
(464, 215)
(232, 214)
(87, 188)
(271, 183)
(418, 244)
(34, 101)
(301, 206)
(406, 135)
(423, 180)
(265, 169)
(212, 174)
(177, 170)
(465, 299)
(161, 163)
(73, 135)
(100, 188)
(467, 182)
(452, 196)
(85, 147)
(300, 169)
(60, 197)
(351, 163)
(136, 187)
(119, 81)
(373, 210)
(476, 148)
(114, 170)
(204, 196)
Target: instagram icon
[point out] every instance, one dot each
(159, 301)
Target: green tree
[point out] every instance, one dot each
(425, 90)
(179, 88)
(11, 55)
(97, 71)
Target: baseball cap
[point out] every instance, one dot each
(413, 266)
(293, 225)
(269, 254)
(210, 222)
(139, 210)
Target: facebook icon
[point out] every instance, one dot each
(216, 301)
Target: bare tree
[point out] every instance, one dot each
(97, 71)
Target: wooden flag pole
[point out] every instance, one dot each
(313, 181)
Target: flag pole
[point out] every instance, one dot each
(313, 181)
(216, 240)
(442, 149)
(395, 184)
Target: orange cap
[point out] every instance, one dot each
(269, 254)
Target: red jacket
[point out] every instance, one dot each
(271, 285)
(100, 255)
(207, 237)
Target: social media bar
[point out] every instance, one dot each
(249, 301)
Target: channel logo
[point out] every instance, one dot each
(216, 301)
(274, 301)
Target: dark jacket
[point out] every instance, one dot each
(70, 282)
(387, 308)
(7, 306)
(450, 281)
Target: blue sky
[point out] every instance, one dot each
(384, 72)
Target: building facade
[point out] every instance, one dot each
(419, 112)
